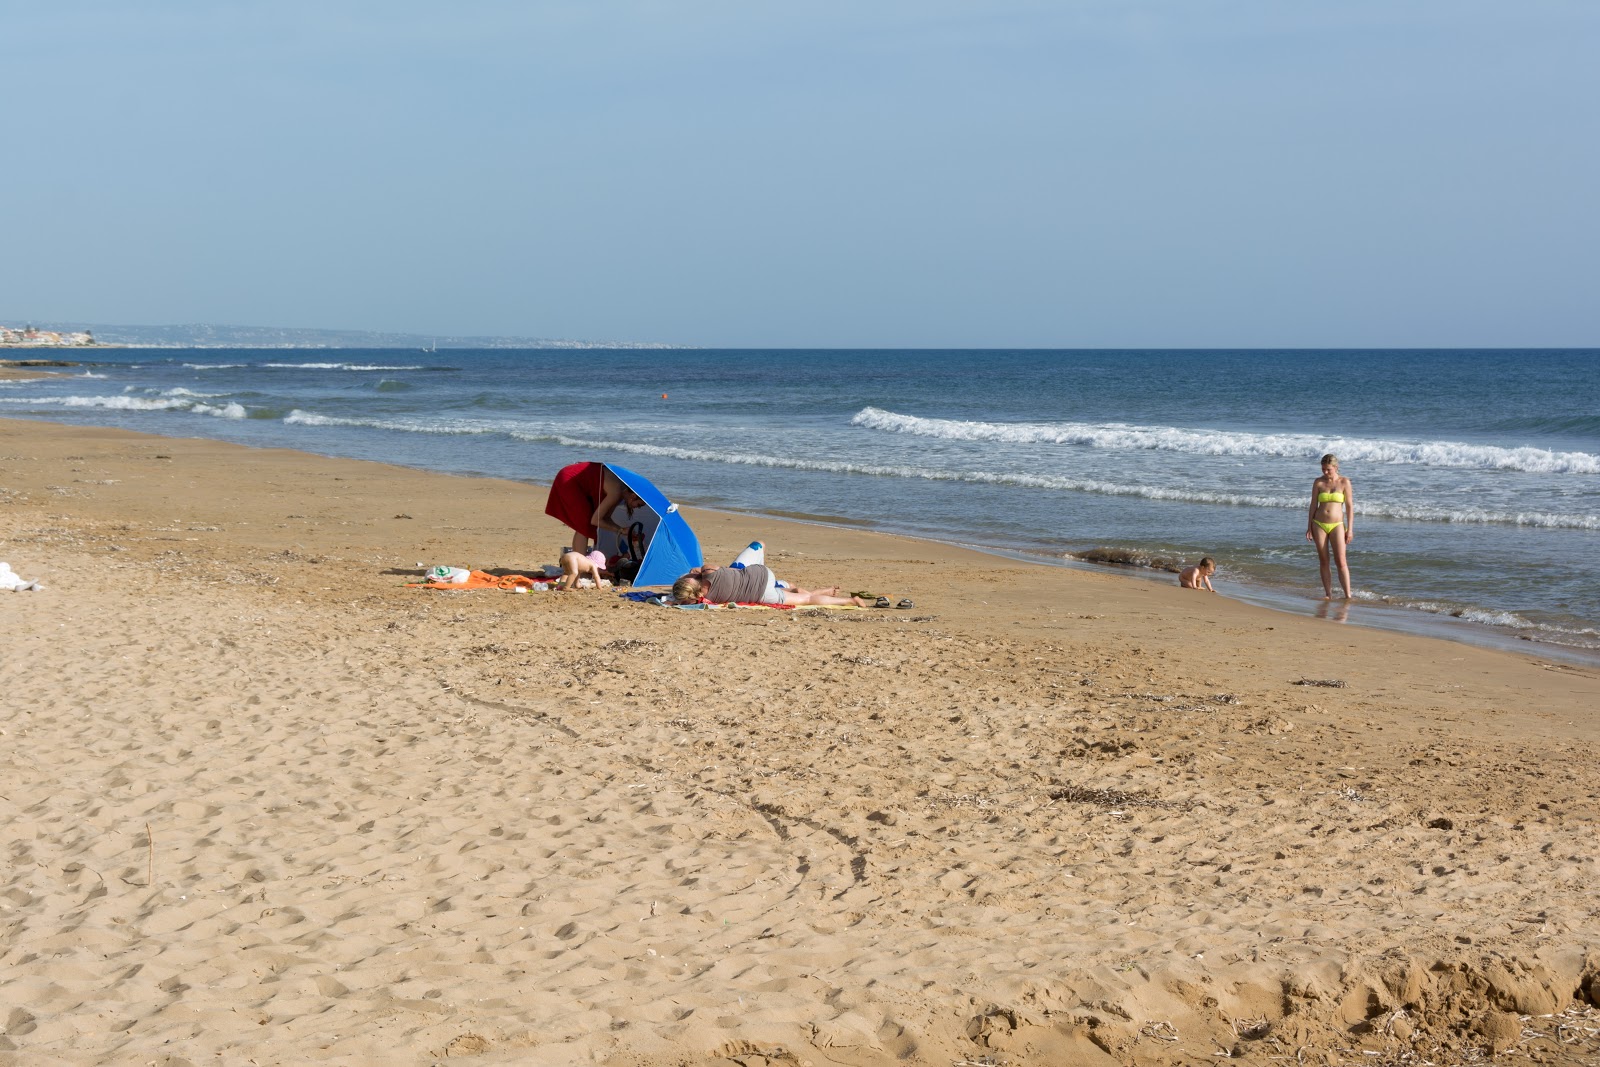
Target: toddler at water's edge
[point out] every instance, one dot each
(1198, 576)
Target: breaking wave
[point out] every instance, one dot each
(313, 366)
(1081, 485)
(307, 418)
(232, 410)
(340, 366)
(1124, 437)
(1297, 502)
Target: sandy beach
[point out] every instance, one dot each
(264, 803)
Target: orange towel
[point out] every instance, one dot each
(485, 580)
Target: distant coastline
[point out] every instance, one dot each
(208, 335)
(31, 336)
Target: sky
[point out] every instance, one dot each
(899, 173)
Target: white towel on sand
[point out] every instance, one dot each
(9, 579)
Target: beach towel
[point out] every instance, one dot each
(509, 583)
(10, 579)
(666, 601)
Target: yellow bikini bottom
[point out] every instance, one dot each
(1329, 527)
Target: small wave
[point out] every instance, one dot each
(111, 403)
(88, 374)
(232, 410)
(214, 366)
(338, 366)
(1539, 519)
(1123, 437)
(308, 418)
(180, 391)
(391, 385)
(1582, 637)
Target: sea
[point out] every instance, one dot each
(1476, 473)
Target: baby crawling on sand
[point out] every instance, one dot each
(1198, 576)
(576, 565)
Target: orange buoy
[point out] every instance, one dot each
(663, 396)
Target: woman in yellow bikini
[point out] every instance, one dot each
(1331, 523)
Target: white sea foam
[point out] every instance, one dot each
(309, 418)
(213, 366)
(111, 403)
(1540, 519)
(337, 366)
(232, 410)
(1124, 437)
(1582, 636)
(134, 403)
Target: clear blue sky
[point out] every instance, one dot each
(1189, 173)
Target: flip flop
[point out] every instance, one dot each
(907, 603)
(881, 602)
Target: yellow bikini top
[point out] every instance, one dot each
(1330, 498)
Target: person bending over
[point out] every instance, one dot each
(752, 584)
(585, 497)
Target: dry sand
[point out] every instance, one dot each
(265, 804)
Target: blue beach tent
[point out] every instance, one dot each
(670, 549)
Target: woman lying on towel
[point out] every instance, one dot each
(752, 584)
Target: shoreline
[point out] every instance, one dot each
(1376, 614)
(267, 802)
(1366, 613)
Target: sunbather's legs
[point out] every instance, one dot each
(802, 598)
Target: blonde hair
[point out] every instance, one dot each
(1330, 460)
(687, 588)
